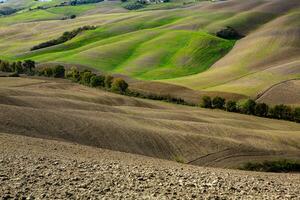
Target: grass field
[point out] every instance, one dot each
(175, 46)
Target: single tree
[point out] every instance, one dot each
(108, 81)
(85, 77)
(29, 65)
(231, 106)
(119, 85)
(59, 71)
(296, 114)
(97, 81)
(261, 109)
(73, 74)
(248, 107)
(206, 102)
(218, 102)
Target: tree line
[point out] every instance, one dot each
(108, 82)
(19, 67)
(68, 35)
(250, 107)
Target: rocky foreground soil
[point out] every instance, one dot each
(33, 168)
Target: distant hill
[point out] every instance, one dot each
(173, 43)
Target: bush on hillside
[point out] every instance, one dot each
(73, 74)
(119, 85)
(231, 106)
(218, 102)
(108, 81)
(85, 77)
(5, 66)
(273, 166)
(229, 33)
(261, 109)
(97, 81)
(28, 66)
(133, 5)
(248, 107)
(296, 114)
(59, 71)
(281, 112)
(206, 102)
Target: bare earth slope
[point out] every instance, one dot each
(287, 92)
(43, 169)
(61, 110)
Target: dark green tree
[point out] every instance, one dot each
(296, 114)
(231, 106)
(47, 71)
(206, 102)
(248, 107)
(85, 77)
(218, 102)
(261, 109)
(97, 81)
(119, 85)
(59, 71)
(29, 65)
(5, 66)
(281, 112)
(19, 68)
(108, 81)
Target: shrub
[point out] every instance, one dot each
(28, 65)
(47, 71)
(85, 77)
(133, 5)
(108, 81)
(119, 85)
(5, 66)
(59, 71)
(206, 102)
(229, 33)
(19, 68)
(273, 166)
(248, 107)
(231, 106)
(281, 112)
(218, 102)
(97, 81)
(73, 74)
(261, 109)
(296, 114)
(178, 159)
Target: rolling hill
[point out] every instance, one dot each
(171, 43)
(60, 110)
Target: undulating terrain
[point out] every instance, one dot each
(169, 42)
(63, 140)
(61, 110)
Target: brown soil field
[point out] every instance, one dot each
(60, 110)
(33, 168)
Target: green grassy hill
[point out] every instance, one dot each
(169, 42)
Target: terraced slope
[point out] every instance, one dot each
(175, 46)
(60, 110)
